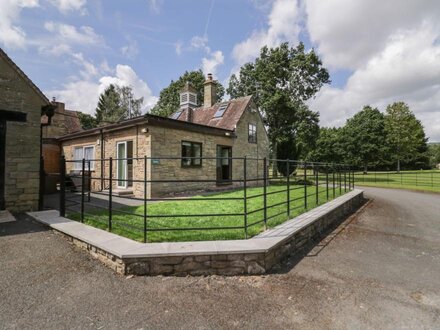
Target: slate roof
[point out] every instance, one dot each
(229, 120)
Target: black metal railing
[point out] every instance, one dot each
(423, 179)
(231, 194)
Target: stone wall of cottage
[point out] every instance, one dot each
(167, 142)
(22, 141)
(254, 151)
(141, 148)
(164, 143)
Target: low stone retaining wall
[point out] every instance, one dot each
(236, 257)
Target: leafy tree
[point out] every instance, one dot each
(169, 96)
(117, 103)
(405, 134)
(329, 146)
(87, 121)
(132, 107)
(364, 138)
(281, 79)
(434, 154)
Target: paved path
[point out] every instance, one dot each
(380, 269)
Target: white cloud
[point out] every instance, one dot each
(83, 93)
(199, 42)
(283, 25)
(89, 70)
(349, 32)
(11, 35)
(210, 64)
(65, 37)
(131, 50)
(84, 35)
(65, 6)
(178, 47)
(406, 69)
(155, 5)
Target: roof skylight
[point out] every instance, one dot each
(221, 110)
(176, 115)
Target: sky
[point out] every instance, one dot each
(377, 52)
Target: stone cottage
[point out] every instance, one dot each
(204, 144)
(21, 106)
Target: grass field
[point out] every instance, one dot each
(131, 226)
(418, 180)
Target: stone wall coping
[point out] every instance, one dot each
(125, 248)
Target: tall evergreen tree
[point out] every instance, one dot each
(169, 96)
(117, 103)
(405, 134)
(131, 105)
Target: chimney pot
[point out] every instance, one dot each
(210, 93)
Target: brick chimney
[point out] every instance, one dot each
(210, 91)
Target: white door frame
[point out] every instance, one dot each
(124, 183)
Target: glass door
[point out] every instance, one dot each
(224, 164)
(121, 148)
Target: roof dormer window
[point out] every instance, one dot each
(221, 110)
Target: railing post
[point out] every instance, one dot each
(62, 186)
(333, 174)
(83, 183)
(288, 188)
(110, 193)
(340, 181)
(345, 179)
(326, 182)
(305, 185)
(349, 178)
(265, 166)
(316, 185)
(145, 199)
(89, 182)
(245, 195)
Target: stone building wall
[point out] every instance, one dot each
(22, 140)
(161, 142)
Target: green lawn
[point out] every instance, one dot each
(131, 226)
(426, 180)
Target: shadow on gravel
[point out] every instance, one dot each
(318, 243)
(23, 225)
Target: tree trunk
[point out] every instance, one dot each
(398, 166)
(365, 168)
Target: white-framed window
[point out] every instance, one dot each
(252, 133)
(86, 152)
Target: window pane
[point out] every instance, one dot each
(252, 137)
(89, 153)
(197, 152)
(78, 156)
(186, 152)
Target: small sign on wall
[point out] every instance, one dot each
(155, 161)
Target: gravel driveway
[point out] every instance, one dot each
(380, 269)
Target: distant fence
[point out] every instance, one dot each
(236, 201)
(422, 178)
